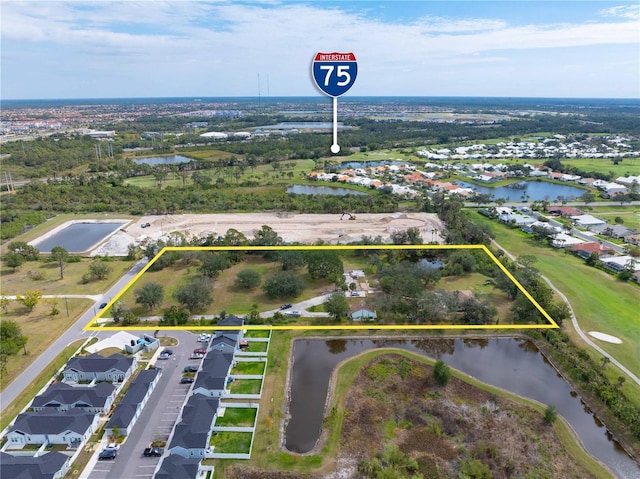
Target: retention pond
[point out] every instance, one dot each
(77, 236)
(512, 364)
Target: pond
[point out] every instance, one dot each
(77, 237)
(321, 190)
(529, 191)
(515, 365)
(164, 160)
(371, 164)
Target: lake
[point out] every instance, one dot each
(163, 160)
(515, 365)
(535, 191)
(77, 237)
(321, 190)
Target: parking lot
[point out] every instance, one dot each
(157, 418)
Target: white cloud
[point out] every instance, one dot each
(623, 11)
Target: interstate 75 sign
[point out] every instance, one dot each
(335, 73)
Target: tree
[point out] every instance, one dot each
(391, 464)
(117, 311)
(150, 295)
(284, 284)
(441, 373)
(13, 260)
(550, 414)
(99, 270)
(175, 316)
(336, 305)
(195, 295)
(266, 236)
(247, 279)
(60, 255)
(30, 298)
(213, 263)
(324, 264)
(28, 252)
(588, 197)
(291, 259)
(11, 338)
(4, 304)
(129, 319)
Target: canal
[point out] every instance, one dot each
(515, 365)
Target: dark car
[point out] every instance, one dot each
(145, 225)
(107, 454)
(152, 452)
(168, 352)
(102, 305)
(186, 380)
(191, 369)
(286, 306)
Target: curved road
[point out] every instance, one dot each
(574, 321)
(72, 334)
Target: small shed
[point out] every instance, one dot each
(363, 315)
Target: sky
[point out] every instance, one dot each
(179, 48)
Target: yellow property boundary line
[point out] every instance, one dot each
(552, 324)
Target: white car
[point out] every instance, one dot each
(204, 338)
(114, 445)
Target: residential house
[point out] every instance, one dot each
(223, 343)
(212, 379)
(562, 240)
(72, 427)
(115, 368)
(190, 438)
(618, 263)
(363, 314)
(130, 407)
(52, 465)
(62, 397)
(585, 250)
(587, 221)
(615, 231)
(178, 467)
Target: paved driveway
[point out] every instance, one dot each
(157, 418)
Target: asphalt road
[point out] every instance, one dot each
(75, 332)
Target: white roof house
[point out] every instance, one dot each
(562, 240)
(587, 220)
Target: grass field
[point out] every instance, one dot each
(245, 386)
(628, 166)
(600, 301)
(21, 280)
(630, 214)
(248, 367)
(239, 442)
(238, 416)
(40, 328)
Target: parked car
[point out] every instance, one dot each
(191, 369)
(196, 356)
(102, 305)
(200, 351)
(286, 306)
(293, 314)
(114, 445)
(186, 380)
(204, 338)
(107, 454)
(145, 225)
(168, 352)
(152, 452)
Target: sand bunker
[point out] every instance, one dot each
(605, 337)
(302, 228)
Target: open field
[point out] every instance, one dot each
(300, 228)
(21, 280)
(630, 214)
(41, 328)
(628, 166)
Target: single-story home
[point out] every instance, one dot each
(212, 379)
(115, 368)
(363, 315)
(562, 240)
(587, 220)
(584, 250)
(72, 427)
(191, 435)
(130, 407)
(52, 465)
(178, 467)
(618, 263)
(616, 231)
(62, 397)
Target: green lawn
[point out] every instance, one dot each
(600, 301)
(256, 333)
(257, 347)
(245, 386)
(248, 368)
(238, 416)
(231, 442)
(629, 166)
(629, 214)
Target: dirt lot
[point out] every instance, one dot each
(304, 228)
